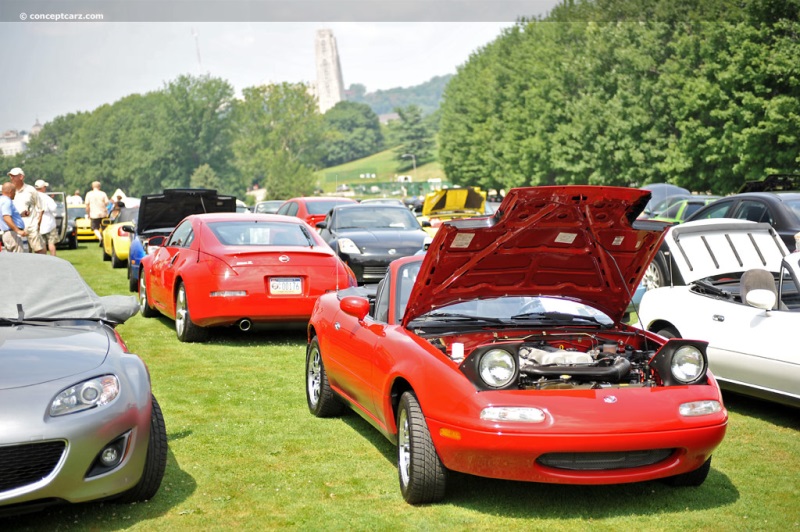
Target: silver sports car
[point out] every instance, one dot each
(78, 421)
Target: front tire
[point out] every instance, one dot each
(423, 477)
(156, 462)
(185, 329)
(106, 256)
(692, 478)
(322, 401)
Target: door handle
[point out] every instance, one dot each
(718, 317)
(174, 258)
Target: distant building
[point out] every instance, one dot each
(13, 142)
(330, 85)
(388, 117)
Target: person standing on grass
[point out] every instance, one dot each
(12, 228)
(97, 203)
(47, 218)
(26, 200)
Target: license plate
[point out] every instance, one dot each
(286, 285)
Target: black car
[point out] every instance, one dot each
(369, 237)
(774, 200)
(159, 214)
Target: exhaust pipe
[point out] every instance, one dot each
(245, 324)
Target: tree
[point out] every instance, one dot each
(204, 177)
(354, 131)
(277, 141)
(197, 120)
(415, 138)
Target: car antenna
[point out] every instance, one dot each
(20, 313)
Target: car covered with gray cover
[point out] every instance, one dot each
(79, 421)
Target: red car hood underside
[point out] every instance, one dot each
(574, 242)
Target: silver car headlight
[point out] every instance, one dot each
(688, 364)
(85, 395)
(348, 246)
(497, 368)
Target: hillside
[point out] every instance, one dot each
(427, 96)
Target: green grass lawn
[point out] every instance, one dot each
(245, 454)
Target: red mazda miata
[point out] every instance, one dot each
(501, 353)
(230, 268)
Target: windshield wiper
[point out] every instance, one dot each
(453, 317)
(560, 317)
(710, 289)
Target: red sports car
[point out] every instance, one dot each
(224, 269)
(500, 353)
(312, 209)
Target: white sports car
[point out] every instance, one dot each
(741, 295)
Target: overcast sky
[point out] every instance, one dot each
(55, 68)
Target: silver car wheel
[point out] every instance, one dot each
(314, 382)
(142, 295)
(180, 311)
(403, 447)
(652, 277)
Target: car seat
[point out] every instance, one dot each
(758, 279)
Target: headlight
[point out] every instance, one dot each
(688, 364)
(87, 394)
(497, 368)
(509, 413)
(699, 408)
(348, 246)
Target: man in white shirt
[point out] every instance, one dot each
(47, 219)
(75, 199)
(97, 208)
(28, 204)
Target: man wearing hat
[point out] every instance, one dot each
(12, 229)
(29, 207)
(47, 219)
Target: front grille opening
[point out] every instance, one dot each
(604, 461)
(28, 463)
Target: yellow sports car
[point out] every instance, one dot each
(452, 203)
(116, 240)
(83, 225)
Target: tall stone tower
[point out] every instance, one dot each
(330, 86)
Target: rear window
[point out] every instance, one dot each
(255, 233)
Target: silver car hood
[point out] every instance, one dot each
(33, 354)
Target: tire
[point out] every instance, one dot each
(116, 262)
(422, 475)
(156, 462)
(657, 274)
(144, 302)
(668, 331)
(322, 401)
(106, 256)
(184, 328)
(692, 478)
(73, 242)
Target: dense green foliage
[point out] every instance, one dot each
(622, 92)
(427, 96)
(353, 132)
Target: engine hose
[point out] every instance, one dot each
(614, 373)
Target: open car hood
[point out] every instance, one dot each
(455, 201)
(159, 211)
(574, 242)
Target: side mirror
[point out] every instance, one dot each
(105, 222)
(156, 241)
(763, 299)
(425, 223)
(321, 225)
(355, 306)
(128, 229)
